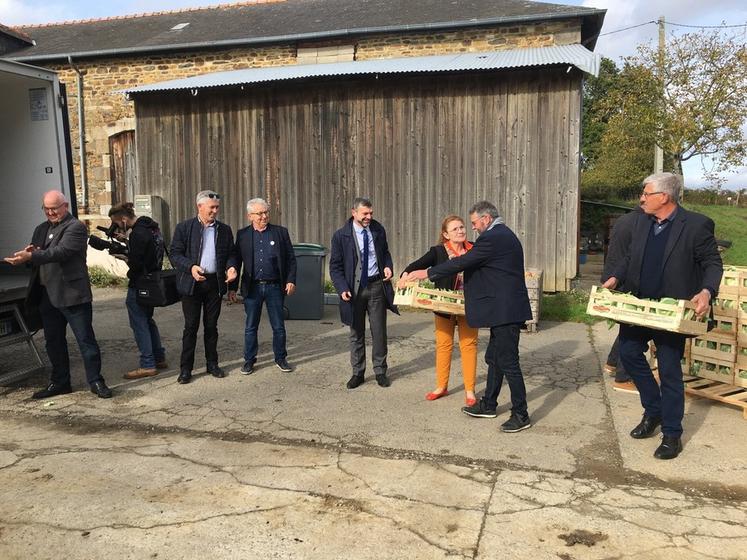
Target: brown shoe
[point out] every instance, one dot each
(162, 365)
(140, 372)
(625, 387)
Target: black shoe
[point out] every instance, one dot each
(478, 410)
(355, 381)
(215, 370)
(670, 447)
(383, 380)
(52, 390)
(247, 368)
(284, 365)
(516, 424)
(100, 389)
(184, 377)
(646, 428)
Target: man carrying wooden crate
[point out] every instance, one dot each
(672, 253)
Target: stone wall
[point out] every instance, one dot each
(108, 112)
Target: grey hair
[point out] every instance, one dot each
(202, 195)
(362, 201)
(485, 208)
(256, 201)
(668, 183)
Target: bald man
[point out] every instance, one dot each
(60, 288)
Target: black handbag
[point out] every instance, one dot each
(157, 288)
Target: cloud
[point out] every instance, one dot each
(20, 12)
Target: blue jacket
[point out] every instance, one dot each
(186, 248)
(495, 291)
(244, 254)
(344, 259)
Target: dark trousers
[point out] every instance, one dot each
(613, 359)
(372, 301)
(502, 357)
(147, 337)
(205, 299)
(55, 321)
(668, 401)
(272, 295)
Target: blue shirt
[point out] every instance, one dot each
(659, 226)
(265, 256)
(373, 267)
(207, 258)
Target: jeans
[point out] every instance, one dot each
(502, 357)
(370, 300)
(273, 296)
(205, 300)
(668, 401)
(147, 337)
(55, 321)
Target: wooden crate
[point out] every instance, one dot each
(726, 305)
(714, 345)
(742, 308)
(679, 317)
(711, 368)
(725, 325)
(740, 371)
(742, 332)
(445, 301)
(533, 278)
(734, 281)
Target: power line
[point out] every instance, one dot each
(627, 28)
(707, 26)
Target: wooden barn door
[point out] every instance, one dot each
(123, 166)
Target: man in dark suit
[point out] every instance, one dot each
(360, 267)
(495, 296)
(673, 253)
(269, 275)
(201, 252)
(61, 290)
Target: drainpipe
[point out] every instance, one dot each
(81, 137)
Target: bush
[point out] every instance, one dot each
(102, 278)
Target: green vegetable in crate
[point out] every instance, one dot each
(668, 301)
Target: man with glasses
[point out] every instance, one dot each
(672, 253)
(201, 252)
(269, 275)
(61, 290)
(360, 267)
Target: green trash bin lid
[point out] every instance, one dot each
(310, 249)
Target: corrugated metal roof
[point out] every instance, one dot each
(573, 55)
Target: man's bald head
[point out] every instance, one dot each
(54, 205)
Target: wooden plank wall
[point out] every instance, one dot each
(420, 147)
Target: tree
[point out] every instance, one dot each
(691, 101)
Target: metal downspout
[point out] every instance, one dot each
(81, 138)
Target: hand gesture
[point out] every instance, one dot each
(290, 287)
(197, 273)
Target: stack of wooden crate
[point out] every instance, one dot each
(721, 354)
(533, 279)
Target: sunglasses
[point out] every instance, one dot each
(216, 196)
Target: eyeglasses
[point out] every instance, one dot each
(265, 213)
(53, 208)
(457, 228)
(216, 196)
(645, 194)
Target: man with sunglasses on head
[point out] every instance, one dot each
(202, 254)
(61, 291)
(672, 253)
(266, 252)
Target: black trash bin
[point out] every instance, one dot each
(308, 300)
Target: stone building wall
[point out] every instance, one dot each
(108, 113)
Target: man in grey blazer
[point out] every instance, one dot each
(61, 290)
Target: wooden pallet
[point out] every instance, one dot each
(717, 391)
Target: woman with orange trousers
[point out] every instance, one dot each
(452, 242)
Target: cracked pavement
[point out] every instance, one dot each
(275, 465)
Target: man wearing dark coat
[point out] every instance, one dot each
(495, 296)
(673, 253)
(361, 268)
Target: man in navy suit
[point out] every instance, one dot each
(495, 296)
(673, 253)
(360, 267)
(269, 275)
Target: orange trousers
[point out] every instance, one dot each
(445, 344)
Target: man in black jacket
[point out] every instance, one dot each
(144, 255)
(673, 253)
(269, 275)
(495, 296)
(202, 254)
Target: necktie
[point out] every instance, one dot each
(364, 264)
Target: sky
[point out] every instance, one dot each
(620, 14)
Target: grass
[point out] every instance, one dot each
(102, 278)
(566, 307)
(731, 224)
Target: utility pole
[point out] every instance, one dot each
(658, 152)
